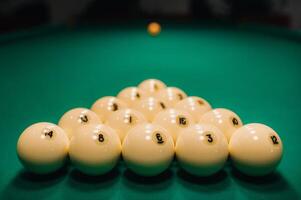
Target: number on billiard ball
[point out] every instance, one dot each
(84, 118)
(226, 120)
(202, 146)
(101, 137)
(123, 120)
(174, 121)
(148, 149)
(162, 105)
(151, 86)
(210, 139)
(235, 121)
(274, 139)
(42, 147)
(114, 106)
(255, 149)
(49, 133)
(182, 121)
(159, 138)
(75, 118)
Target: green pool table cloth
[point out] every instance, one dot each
(252, 70)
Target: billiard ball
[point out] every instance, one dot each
(202, 149)
(125, 119)
(150, 107)
(174, 121)
(148, 149)
(94, 149)
(131, 95)
(43, 148)
(226, 120)
(154, 28)
(171, 95)
(255, 149)
(151, 86)
(77, 117)
(196, 106)
(105, 106)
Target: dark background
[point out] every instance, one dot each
(20, 14)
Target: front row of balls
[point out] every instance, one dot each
(148, 149)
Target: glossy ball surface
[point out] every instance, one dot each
(95, 149)
(202, 149)
(151, 86)
(174, 121)
(171, 95)
(131, 95)
(43, 148)
(105, 106)
(75, 118)
(255, 149)
(150, 107)
(196, 106)
(148, 149)
(226, 120)
(123, 120)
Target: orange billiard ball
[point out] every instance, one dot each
(154, 28)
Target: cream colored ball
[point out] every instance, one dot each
(43, 148)
(202, 149)
(174, 121)
(105, 106)
(171, 95)
(123, 120)
(196, 106)
(226, 120)
(150, 107)
(255, 149)
(75, 118)
(131, 95)
(151, 86)
(95, 149)
(148, 149)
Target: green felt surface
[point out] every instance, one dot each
(256, 73)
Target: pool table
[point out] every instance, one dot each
(250, 69)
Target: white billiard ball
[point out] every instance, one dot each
(150, 107)
(255, 149)
(105, 106)
(171, 95)
(95, 149)
(125, 119)
(226, 120)
(43, 148)
(131, 95)
(174, 121)
(196, 106)
(148, 149)
(202, 149)
(77, 117)
(151, 86)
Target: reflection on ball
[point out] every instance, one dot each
(226, 120)
(95, 149)
(148, 149)
(202, 149)
(43, 148)
(255, 149)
